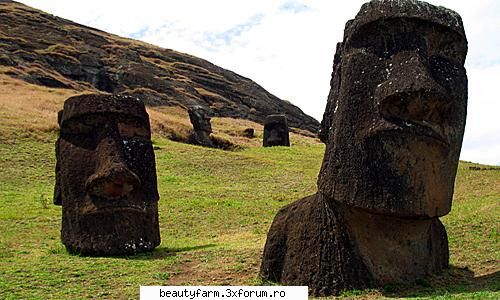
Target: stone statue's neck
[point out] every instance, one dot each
(395, 248)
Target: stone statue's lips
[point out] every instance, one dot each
(420, 128)
(114, 210)
(95, 205)
(409, 128)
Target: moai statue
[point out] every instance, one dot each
(393, 129)
(276, 131)
(106, 176)
(200, 118)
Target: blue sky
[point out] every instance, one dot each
(287, 46)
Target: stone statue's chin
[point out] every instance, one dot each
(113, 210)
(121, 223)
(423, 166)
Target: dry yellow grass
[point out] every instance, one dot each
(232, 130)
(171, 122)
(210, 94)
(28, 109)
(64, 51)
(167, 66)
(31, 110)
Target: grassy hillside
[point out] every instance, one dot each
(215, 209)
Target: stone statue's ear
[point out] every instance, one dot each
(57, 193)
(57, 186)
(324, 129)
(331, 104)
(59, 117)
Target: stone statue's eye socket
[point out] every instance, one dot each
(76, 128)
(79, 134)
(446, 71)
(137, 153)
(449, 49)
(128, 130)
(386, 38)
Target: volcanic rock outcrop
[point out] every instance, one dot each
(249, 133)
(393, 129)
(51, 51)
(106, 176)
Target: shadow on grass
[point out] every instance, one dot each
(162, 253)
(455, 280)
(157, 253)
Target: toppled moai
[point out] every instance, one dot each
(276, 131)
(393, 129)
(200, 118)
(106, 176)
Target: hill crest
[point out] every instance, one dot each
(47, 50)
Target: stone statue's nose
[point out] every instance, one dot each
(410, 92)
(406, 72)
(112, 178)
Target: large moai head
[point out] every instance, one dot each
(106, 176)
(276, 131)
(396, 111)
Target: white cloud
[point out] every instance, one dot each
(482, 131)
(287, 46)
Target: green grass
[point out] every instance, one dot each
(215, 210)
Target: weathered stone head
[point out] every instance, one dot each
(106, 176)
(396, 111)
(393, 127)
(200, 118)
(276, 131)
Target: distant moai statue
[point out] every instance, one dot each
(106, 176)
(393, 128)
(200, 118)
(276, 131)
